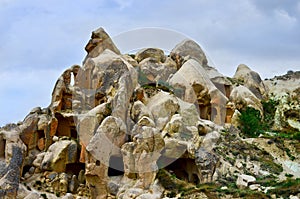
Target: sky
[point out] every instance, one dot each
(40, 39)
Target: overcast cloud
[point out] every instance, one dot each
(39, 39)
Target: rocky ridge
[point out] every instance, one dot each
(150, 125)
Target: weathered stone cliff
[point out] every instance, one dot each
(147, 125)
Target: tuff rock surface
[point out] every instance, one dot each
(148, 125)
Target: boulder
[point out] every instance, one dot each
(245, 180)
(130, 59)
(108, 139)
(29, 130)
(114, 185)
(210, 140)
(59, 154)
(153, 53)
(173, 127)
(140, 110)
(162, 106)
(153, 71)
(74, 184)
(287, 112)
(207, 163)
(196, 87)
(88, 123)
(242, 97)
(174, 148)
(188, 49)
(251, 80)
(189, 112)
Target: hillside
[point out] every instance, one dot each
(150, 125)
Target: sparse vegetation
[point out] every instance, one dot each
(269, 108)
(168, 181)
(251, 122)
(286, 188)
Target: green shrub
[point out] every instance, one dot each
(251, 122)
(269, 108)
(296, 136)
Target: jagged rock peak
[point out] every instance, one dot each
(243, 72)
(188, 49)
(251, 80)
(99, 41)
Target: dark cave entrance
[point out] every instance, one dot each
(26, 169)
(184, 169)
(75, 168)
(2, 147)
(116, 166)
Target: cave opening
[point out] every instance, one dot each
(229, 114)
(116, 166)
(2, 147)
(26, 169)
(227, 90)
(74, 133)
(40, 134)
(185, 169)
(75, 168)
(66, 126)
(203, 111)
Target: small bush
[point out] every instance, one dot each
(296, 136)
(269, 108)
(251, 122)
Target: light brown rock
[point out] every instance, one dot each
(196, 87)
(251, 80)
(153, 53)
(99, 41)
(188, 49)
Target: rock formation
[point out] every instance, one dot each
(140, 126)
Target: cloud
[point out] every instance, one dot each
(285, 18)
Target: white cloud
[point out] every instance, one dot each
(284, 18)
